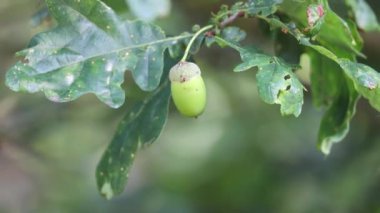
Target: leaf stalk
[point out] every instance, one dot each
(193, 39)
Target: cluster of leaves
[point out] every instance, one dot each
(91, 47)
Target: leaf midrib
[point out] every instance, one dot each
(122, 49)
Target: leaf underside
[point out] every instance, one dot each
(142, 125)
(332, 90)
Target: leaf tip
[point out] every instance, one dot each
(106, 190)
(325, 147)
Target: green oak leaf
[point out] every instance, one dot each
(331, 89)
(359, 79)
(324, 74)
(88, 52)
(335, 123)
(366, 80)
(233, 34)
(334, 32)
(142, 125)
(277, 84)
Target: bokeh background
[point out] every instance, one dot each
(240, 156)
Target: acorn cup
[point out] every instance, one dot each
(188, 89)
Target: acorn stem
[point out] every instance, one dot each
(193, 39)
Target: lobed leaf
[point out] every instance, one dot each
(359, 79)
(142, 125)
(88, 52)
(364, 77)
(277, 84)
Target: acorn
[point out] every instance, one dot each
(188, 88)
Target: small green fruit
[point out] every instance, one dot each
(188, 89)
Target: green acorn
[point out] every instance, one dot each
(188, 89)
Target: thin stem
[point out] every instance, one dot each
(231, 19)
(193, 39)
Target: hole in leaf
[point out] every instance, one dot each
(288, 87)
(24, 60)
(287, 77)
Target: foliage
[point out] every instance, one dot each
(91, 48)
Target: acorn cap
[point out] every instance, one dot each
(184, 71)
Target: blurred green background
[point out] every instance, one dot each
(240, 156)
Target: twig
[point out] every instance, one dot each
(231, 19)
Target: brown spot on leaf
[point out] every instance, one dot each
(284, 30)
(371, 86)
